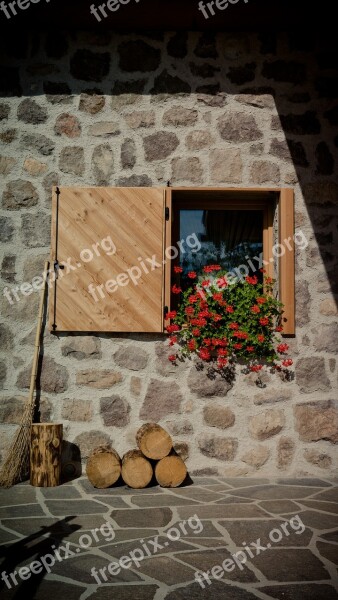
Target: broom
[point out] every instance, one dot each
(16, 465)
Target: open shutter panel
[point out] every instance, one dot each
(102, 235)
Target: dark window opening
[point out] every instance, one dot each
(229, 238)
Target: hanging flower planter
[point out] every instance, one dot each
(224, 324)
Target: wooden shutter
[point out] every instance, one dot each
(84, 220)
(287, 261)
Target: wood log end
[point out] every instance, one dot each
(137, 471)
(170, 471)
(103, 467)
(154, 441)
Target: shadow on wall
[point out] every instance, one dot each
(296, 73)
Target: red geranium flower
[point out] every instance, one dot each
(287, 362)
(211, 268)
(172, 314)
(255, 309)
(253, 280)
(204, 354)
(233, 326)
(178, 269)
(261, 338)
(222, 352)
(229, 309)
(222, 362)
(173, 340)
(241, 335)
(217, 297)
(199, 322)
(172, 357)
(189, 310)
(192, 345)
(264, 321)
(250, 349)
(216, 318)
(196, 332)
(279, 328)
(175, 289)
(192, 275)
(193, 298)
(256, 368)
(238, 346)
(205, 283)
(172, 328)
(282, 348)
(222, 282)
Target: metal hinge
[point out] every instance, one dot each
(167, 213)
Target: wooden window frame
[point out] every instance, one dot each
(267, 199)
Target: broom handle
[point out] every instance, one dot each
(37, 337)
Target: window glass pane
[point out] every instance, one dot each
(230, 238)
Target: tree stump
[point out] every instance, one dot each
(45, 454)
(153, 441)
(171, 471)
(103, 467)
(137, 471)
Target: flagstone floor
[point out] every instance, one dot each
(229, 539)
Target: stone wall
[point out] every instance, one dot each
(240, 110)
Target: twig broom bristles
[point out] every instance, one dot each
(16, 465)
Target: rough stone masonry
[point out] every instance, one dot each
(198, 109)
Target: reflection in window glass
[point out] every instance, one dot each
(229, 238)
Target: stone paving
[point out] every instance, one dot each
(256, 538)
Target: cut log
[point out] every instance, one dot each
(45, 454)
(103, 467)
(153, 441)
(137, 471)
(171, 471)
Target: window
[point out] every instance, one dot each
(242, 230)
(112, 257)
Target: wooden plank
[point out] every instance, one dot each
(110, 235)
(287, 261)
(237, 190)
(168, 242)
(268, 241)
